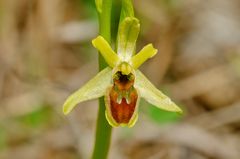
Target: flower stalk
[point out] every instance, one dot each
(103, 129)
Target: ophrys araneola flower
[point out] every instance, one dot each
(122, 84)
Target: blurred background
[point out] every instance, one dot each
(46, 54)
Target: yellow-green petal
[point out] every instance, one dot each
(94, 88)
(154, 96)
(127, 36)
(147, 52)
(105, 49)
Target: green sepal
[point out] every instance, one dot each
(127, 36)
(147, 52)
(154, 96)
(106, 51)
(94, 88)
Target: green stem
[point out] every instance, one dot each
(103, 129)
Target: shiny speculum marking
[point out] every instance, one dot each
(123, 98)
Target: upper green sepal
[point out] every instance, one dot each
(127, 36)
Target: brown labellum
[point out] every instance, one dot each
(123, 98)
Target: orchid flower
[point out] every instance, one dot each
(121, 83)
